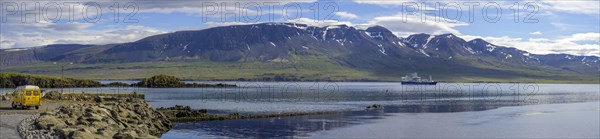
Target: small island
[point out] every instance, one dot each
(165, 81)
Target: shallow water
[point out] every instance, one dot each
(567, 120)
(446, 110)
(442, 111)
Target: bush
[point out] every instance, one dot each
(161, 81)
(165, 81)
(12, 80)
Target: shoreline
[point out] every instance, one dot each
(346, 81)
(97, 117)
(182, 114)
(110, 116)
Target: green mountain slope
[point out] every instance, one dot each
(304, 68)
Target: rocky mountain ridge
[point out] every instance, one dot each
(371, 48)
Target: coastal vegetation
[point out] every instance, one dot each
(161, 81)
(306, 68)
(12, 80)
(165, 81)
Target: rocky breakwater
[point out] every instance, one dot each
(186, 114)
(126, 118)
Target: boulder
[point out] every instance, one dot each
(5, 97)
(132, 118)
(84, 134)
(64, 132)
(48, 121)
(52, 95)
(125, 135)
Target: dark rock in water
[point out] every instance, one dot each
(180, 113)
(374, 106)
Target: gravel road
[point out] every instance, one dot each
(10, 118)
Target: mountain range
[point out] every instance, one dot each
(374, 50)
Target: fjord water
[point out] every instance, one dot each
(446, 110)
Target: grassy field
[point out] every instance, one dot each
(307, 68)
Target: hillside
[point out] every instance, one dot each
(289, 51)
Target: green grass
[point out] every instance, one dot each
(308, 68)
(98, 93)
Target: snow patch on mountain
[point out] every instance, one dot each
(568, 57)
(427, 42)
(423, 52)
(469, 49)
(185, 46)
(490, 47)
(16, 49)
(381, 49)
(375, 35)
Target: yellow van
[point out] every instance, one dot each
(27, 96)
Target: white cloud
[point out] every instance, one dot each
(39, 34)
(383, 2)
(44, 34)
(250, 8)
(590, 7)
(4, 44)
(313, 22)
(307, 21)
(575, 44)
(53, 11)
(422, 5)
(590, 36)
(173, 6)
(69, 26)
(536, 33)
(572, 6)
(218, 24)
(403, 25)
(346, 15)
(128, 34)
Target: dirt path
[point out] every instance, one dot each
(8, 125)
(10, 118)
(5, 108)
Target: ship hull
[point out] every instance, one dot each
(418, 83)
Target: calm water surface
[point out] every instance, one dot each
(446, 110)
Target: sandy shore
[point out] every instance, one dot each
(10, 118)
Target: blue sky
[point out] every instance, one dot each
(554, 27)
